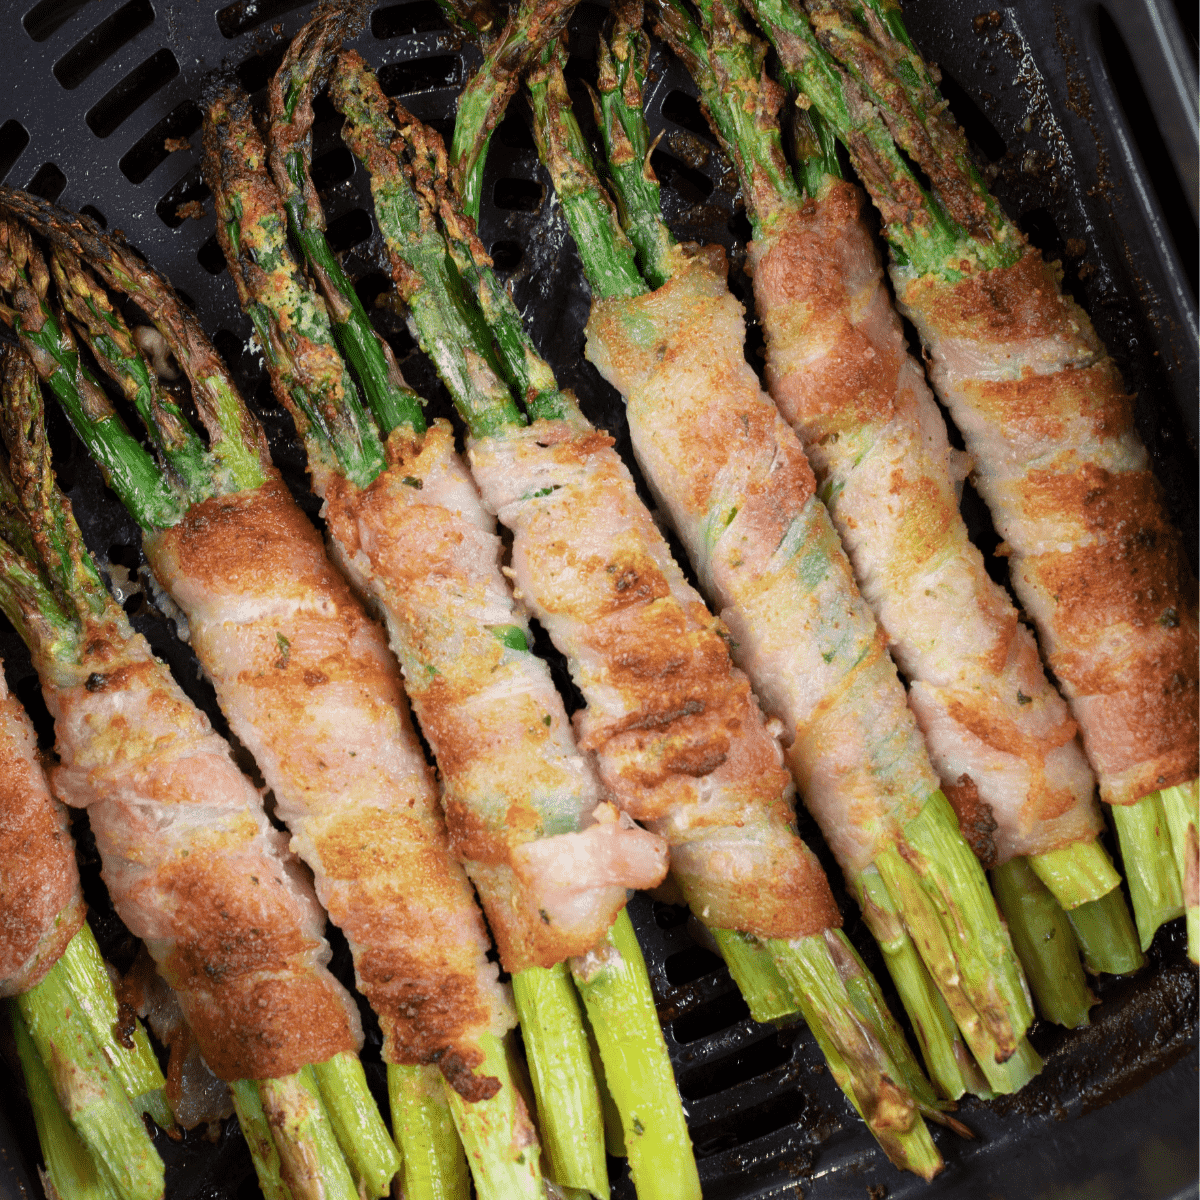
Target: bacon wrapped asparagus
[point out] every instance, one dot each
(1000, 737)
(310, 685)
(675, 730)
(735, 482)
(1092, 554)
(550, 860)
(88, 1074)
(193, 865)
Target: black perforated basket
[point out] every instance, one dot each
(1085, 118)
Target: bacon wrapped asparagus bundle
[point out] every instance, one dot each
(193, 864)
(733, 478)
(307, 680)
(1000, 737)
(550, 859)
(1092, 555)
(88, 1073)
(675, 730)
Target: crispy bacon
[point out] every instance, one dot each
(1092, 554)
(998, 734)
(310, 687)
(41, 905)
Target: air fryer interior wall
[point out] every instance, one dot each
(1052, 100)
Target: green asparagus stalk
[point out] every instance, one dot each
(1106, 935)
(481, 105)
(70, 1167)
(1150, 867)
(365, 1144)
(1045, 943)
(408, 216)
(1181, 804)
(257, 1132)
(977, 975)
(435, 1167)
(304, 69)
(615, 988)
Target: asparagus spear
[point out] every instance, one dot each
(947, 237)
(343, 440)
(739, 99)
(983, 988)
(70, 567)
(453, 335)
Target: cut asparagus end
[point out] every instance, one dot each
(89, 1090)
(70, 1167)
(1150, 867)
(257, 1132)
(942, 895)
(366, 1144)
(864, 1049)
(1106, 935)
(130, 1054)
(568, 1100)
(753, 968)
(435, 1167)
(1013, 1074)
(950, 1064)
(499, 1138)
(1076, 874)
(615, 987)
(1044, 943)
(311, 1163)
(1182, 807)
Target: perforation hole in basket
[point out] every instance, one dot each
(90, 210)
(210, 256)
(350, 229)
(683, 110)
(178, 203)
(506, 256)
(421, 75)
(769, 1053)
(46, 18)
(514, 131)
(121, 102)
(403, 20)
(692, 185)
(14, 137)
(690, 964)
(334, 166)
(236, 19)
(518, 195)
(151, 150)
(710, 1017)
(48, 182)
(103, 42)
(255, 73)
(742, 1125)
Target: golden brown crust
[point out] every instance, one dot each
(41, 907)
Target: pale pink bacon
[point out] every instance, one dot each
(678, 736)
(1092, 554)
(999, 736)
(193, 866)
(551, 858)
(740, 493)
(309, 685)
(41, 905)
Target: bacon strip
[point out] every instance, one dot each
(310, 687)
(676, 732)
(41, 905)
(551, 860)
(193, 866)
(1000, 737)
(741, 495)
(1093, 556)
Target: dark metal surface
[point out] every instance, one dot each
(1055, 100)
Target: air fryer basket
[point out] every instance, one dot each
(1086, 121)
